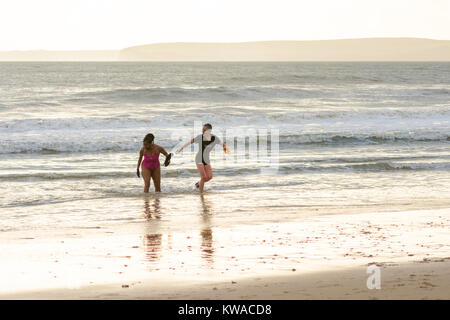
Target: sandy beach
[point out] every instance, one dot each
(323, 257)
(417, 280)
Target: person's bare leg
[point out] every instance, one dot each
(201, 171)
(156, 176)
(146, 176)
(208, 171)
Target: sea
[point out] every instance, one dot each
(342, 137)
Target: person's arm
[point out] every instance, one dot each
(224, 145)
(163, 151)
(185, 145)
(168, 155)
(141, 154)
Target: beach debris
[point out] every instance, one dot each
(125, 286)
(233, 282)
(293, 270)
(427, 284)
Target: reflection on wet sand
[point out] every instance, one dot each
(156, 246)
(152, 245)
(152, 211)
(207, 246)
(152, 242)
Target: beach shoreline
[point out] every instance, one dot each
(322, 257)
(417, 280)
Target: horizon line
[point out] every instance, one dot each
(218, 42)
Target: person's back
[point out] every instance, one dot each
(205, 147)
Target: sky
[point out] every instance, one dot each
(117, 24)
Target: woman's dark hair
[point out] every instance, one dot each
(149, 138)
(208, 125)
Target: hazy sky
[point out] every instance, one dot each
(115, 24)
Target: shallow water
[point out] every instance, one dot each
(351, 135)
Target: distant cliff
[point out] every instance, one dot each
(371, 49)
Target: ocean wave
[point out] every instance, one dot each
(172, 172)
(238, 115)
(300, 94)
(186, 94)
(246, 92)
(377, 159)
(99, 142)
(297, 127)
(103, 123)
(364, 138)
(97, 175)
(367, 167)
(45, 176)
(243, 169)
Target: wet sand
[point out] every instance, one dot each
(418, 280)
(319, 257)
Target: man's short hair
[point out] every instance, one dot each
(208, 125)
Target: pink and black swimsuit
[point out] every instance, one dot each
(151, 162)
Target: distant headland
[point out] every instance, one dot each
(367, 49)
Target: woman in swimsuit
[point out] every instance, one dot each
(151, 168)
(206, 142)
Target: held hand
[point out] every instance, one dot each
(167, 162)
(137, 173)
(179, 150)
